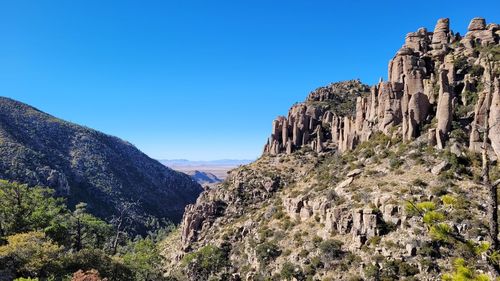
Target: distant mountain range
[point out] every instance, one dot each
(221, 162)
(85, 165)
(205, 172)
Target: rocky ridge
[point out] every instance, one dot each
(338, 190)
(432, 73)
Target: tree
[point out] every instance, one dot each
(206, 261)
(145, 260)
(88, 230)
(107, 266)
(30, 254)
(24, 208)
(121, 222)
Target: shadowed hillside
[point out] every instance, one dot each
(85, 165)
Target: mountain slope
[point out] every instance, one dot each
(86, 165)
(358, 184)
(202, 177)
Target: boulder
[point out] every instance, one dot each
(439, 168)
(354, 173)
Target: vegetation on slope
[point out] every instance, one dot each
(41, 239)
(85, 165)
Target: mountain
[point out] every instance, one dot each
(85, 165)
(204, 177)
(396, 181)
(205, 172)
(220, 162)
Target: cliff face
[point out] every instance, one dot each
(432, 74)
(88, 166)
(356, 182)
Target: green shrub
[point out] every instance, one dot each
(395, 163)
(439, 190)
(267, 252)
(464, 272)
(441, 232)
(289, 271)
(418, 182)
(426, 206)
(372, 271)
(205, 262)
(449, 200)
(331, 248)
(476, 70)
(461, 63)
(317, 240)
(433, 217)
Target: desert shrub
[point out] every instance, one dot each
(205, 262)
(372, 271)
(476, 70)
(386, 227)
(418, 182)
(438, 190)
(267, 252)
(375, 240)
(433, 217)
(265, 232)
(289, 271)
(88, 259)
(429, 249)
(449, 200)
(317, 241)
(463, 272)
(426, 206)
(461, 63)
(331, 248)
(441, 232)
(406, 269)
(391, 270)
(395, 163)
(458, 133)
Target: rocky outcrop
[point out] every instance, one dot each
(436, 87)
(428, 79)
(444, 110)
(199, 217)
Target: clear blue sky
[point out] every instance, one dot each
(200, 79)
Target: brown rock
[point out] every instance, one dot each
(441, 32)
(477, 24)
(494, 120)
(444, 110)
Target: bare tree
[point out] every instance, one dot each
(121, 222)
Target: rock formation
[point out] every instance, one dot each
(427, 80)
(441, 89)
